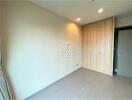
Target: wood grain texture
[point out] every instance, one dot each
(98, 41)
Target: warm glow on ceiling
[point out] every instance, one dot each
(100, 10)
(78, 19)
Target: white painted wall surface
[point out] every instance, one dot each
(41, 47)
(124, 21)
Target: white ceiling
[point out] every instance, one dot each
(87, 9)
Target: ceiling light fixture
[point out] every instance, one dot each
(78, 19)
(100, 10)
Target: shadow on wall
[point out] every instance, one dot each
(3, 44)
(4, 65)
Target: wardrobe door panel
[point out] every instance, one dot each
(98, 40)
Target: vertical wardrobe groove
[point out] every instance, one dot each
(98, 40)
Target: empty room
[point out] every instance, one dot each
(65, 49)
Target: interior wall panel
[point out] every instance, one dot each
(98, 40)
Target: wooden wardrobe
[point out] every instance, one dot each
(98, 43)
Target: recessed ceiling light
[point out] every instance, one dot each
(100, 10)
(78, 19)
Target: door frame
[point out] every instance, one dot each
(116, 35)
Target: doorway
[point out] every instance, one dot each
(123, 51)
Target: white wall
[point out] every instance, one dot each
(124, 21)
(37, 46)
